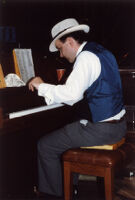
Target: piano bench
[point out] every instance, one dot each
(95, 162)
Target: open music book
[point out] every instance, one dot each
(24, 69)
(23, 62)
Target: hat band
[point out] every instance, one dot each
(61, 32)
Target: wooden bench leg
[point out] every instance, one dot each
(109, 182)
(68, 181)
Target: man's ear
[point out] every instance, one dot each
(71, 41)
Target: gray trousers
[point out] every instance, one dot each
(52, 145)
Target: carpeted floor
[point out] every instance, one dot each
(88, 190)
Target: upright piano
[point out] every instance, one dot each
(24, 118)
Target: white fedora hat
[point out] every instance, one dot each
(64, 27)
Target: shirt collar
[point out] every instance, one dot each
(80, 48)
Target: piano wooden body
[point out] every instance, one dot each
(19, 136)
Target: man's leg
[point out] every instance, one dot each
(51, 147)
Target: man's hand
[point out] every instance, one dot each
(34, 83)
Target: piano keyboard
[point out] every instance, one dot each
(34, 110)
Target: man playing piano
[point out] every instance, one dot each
(95, 79)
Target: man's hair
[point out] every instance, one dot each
(79, 36)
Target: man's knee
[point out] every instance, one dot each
(41, 145)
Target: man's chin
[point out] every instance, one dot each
(70, 61)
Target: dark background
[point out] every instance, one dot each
(27, 24)
(111, 21)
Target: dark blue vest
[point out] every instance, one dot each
(104, 96)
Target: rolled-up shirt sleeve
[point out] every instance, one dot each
(85, 71)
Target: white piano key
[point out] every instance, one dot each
(33, 110)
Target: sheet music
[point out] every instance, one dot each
(34, 110)
(12, 80)
(25, 63)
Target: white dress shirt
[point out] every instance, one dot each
(85, 71)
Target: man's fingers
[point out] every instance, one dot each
(31, 87)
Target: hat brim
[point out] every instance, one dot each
(82, 27)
